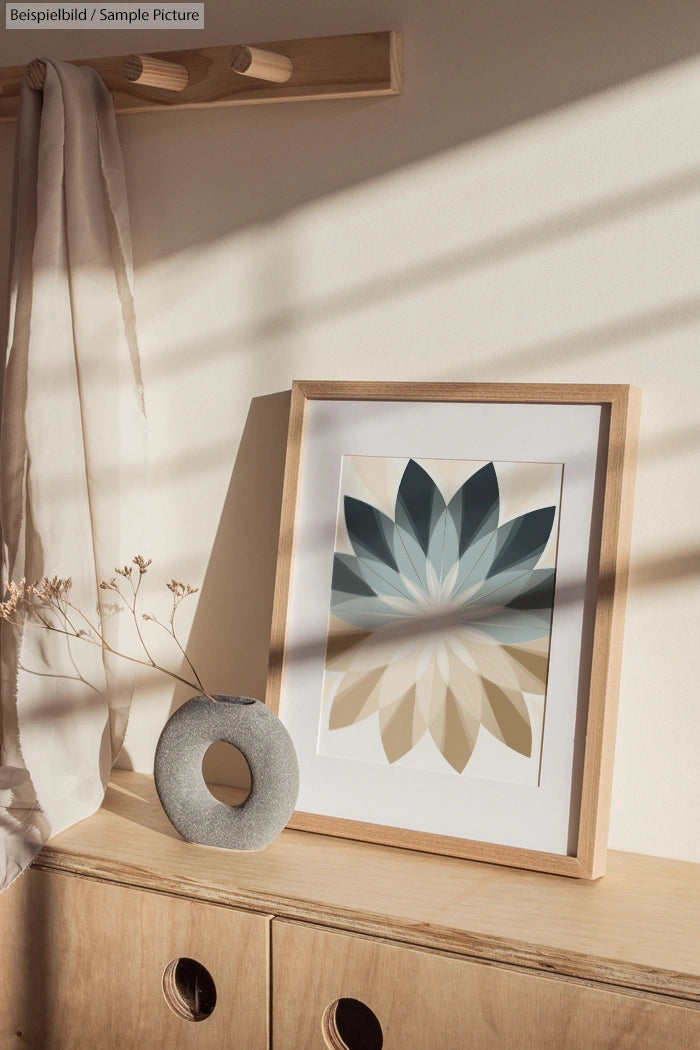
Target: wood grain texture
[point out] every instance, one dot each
(265, 65)
(637, 927)
(82, 966)
(468, 849)
(154, 72)
(353, 66)
(602, 657)
(543, 393)
(423, 1000)
(606, 657)
(285, 549)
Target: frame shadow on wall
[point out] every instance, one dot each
(231, 631)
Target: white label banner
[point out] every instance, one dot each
(104, 16)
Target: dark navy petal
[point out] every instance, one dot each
(539, 594)
(419, 504)
(347, 577)
(475, 507)
(369, 530)
(520, 542)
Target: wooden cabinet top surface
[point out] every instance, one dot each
(638, 926)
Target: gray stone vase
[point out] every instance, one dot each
(274, 773)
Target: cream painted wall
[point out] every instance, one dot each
(527, 210)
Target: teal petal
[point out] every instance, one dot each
(513, 587)
(410, 558)
(443, 550)
(475, 562)
(513, 626)
(381, 578)
(366, 613)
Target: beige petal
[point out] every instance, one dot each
(455, 732)
(430, 691)
(467, 686)
(357, 698)
(364, 650)
(341, 643)
(531, 666)
(489, 660)
(401, 725)
(506, 716)
(399, 677)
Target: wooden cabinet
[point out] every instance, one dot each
(83, 965)
(432, 999)
(318, 942)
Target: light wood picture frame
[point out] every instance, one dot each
(447, 628)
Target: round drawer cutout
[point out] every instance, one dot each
(349, 1024)
(189, 989)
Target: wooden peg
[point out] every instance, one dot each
(35, 74)
(265, 65)
(154, 72)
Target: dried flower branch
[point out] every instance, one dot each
(47, 605)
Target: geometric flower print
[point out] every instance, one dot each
(441, 610)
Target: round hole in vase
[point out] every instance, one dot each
(349, 1024)
(189, 989)
(226, 772)
(265, 744)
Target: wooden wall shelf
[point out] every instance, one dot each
(355, 66)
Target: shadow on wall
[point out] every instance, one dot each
(474, 71)
(231, 631)
(441, 267)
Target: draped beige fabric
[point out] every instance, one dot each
(72, 455)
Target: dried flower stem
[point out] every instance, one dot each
(34, 605)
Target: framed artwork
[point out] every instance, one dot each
(447, 629)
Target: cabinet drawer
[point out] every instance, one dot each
(83, 962)
(424, 1000)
